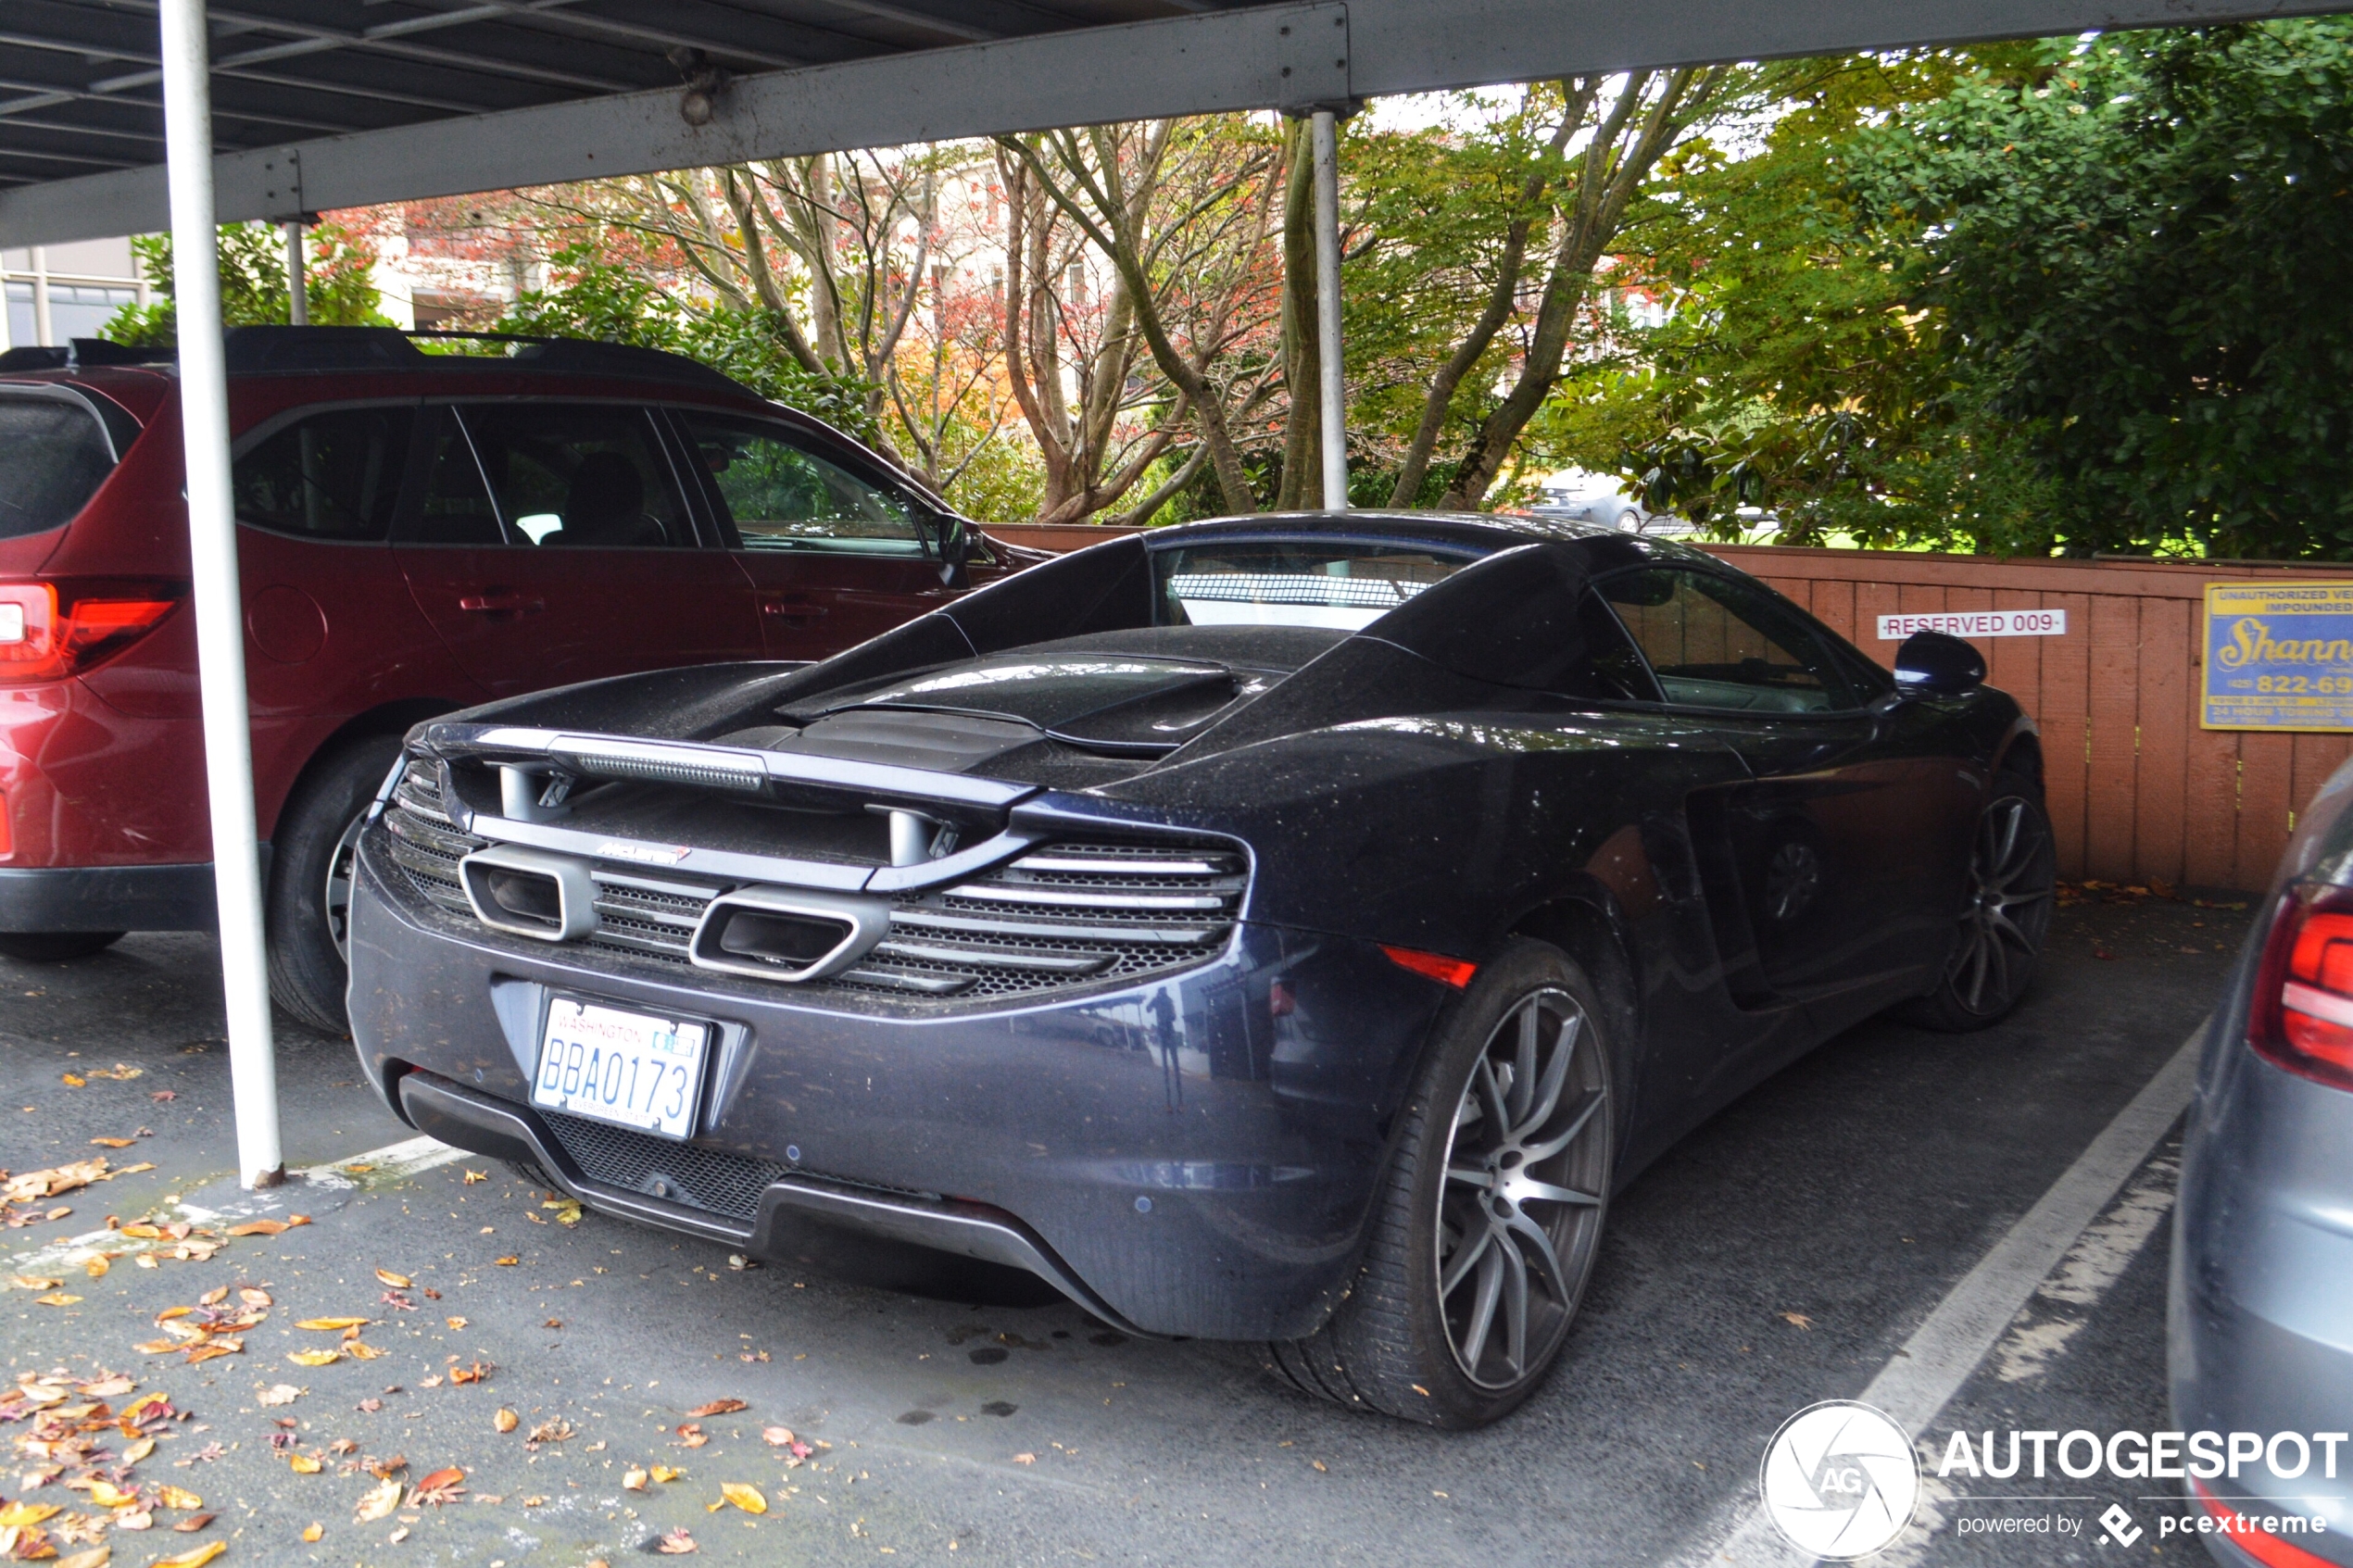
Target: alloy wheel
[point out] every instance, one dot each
(2009, 907)
(1527, 1165)
(337, 903)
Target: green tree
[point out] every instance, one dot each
(2139, 259)
(337, 280)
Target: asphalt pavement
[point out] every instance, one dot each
(1779, 1256)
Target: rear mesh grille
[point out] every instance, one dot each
(714, 1180)
(1066, 915)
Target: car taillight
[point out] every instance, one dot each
(2302, 1016)
(49, 630)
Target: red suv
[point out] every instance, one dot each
(419, 533)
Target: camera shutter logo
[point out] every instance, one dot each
(1839, 1480)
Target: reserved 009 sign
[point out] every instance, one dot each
(1975, 623)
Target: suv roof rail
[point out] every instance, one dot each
(81, 353)
(280, 350)
(266, 349)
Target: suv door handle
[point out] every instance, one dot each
(502, 601)
(794, 609)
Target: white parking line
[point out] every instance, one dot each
(393, 1163)
(1947, 1347)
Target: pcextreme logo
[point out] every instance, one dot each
(1839, 1480)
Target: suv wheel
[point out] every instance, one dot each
(310, 880)
(1491, 1213)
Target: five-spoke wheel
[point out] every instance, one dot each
(2006, 914)
(1526, 1166)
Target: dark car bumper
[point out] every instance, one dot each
(106, 898)
(1192, 1154)
(2260, 1313)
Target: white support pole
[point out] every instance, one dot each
(1324, 129)
(298, 285)
(213, 550)
(44, 332)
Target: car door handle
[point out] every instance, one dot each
(502, 601)
(794, 609)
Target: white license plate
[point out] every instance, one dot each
(629, 1068)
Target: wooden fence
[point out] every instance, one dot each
(2138, 792)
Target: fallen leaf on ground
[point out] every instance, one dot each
(398, 1282)
(303, 1464)
(359, 1352)
(194, 1523)
(134, 1519)
(57, 1299)
(94, 1265)
(1024, 1459)
(508, 1262)
(473, 1374)
(379, 1501)
(34, 1282)
(553, 1322)
(775, 1437)
(195, 1558)
(474, 1177)
(748, 1498)
(163, 1096)
(73, 1080)
(718, 1407)
(16, 1514)
(212, 1348)
(121, 1072)
(138, 1451)
(143, 1230)
(506, 1421)
(278, 1394)
(258, 1227)
(312, 1531)
(96, 1556)
(692, 1435)
(677, 1543)
(433, 1382)
(175, 1497)
(313, 1358)
(1797, 1320)
(441, 1486)
(331, 1325)
(252, 1297)
(398, 1535)
(455, 1323)
(114, 1143)
(632, 1479)
(666, 1474)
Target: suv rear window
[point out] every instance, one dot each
(54, 455)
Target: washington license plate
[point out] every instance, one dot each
(629, 1068)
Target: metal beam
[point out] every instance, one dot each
(1272, 57)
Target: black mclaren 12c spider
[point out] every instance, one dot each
(1288, 929)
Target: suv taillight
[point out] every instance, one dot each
(2302, 1016)
(49, 630)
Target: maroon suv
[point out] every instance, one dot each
(419, 533)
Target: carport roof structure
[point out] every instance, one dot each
(124, 116)
(323, 104)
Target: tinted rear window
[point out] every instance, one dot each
(54, 455)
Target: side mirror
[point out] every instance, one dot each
(1933, 664)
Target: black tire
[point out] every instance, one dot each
(307, 975)
(1404, 1341)
(2007, 898)
(55, 946)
